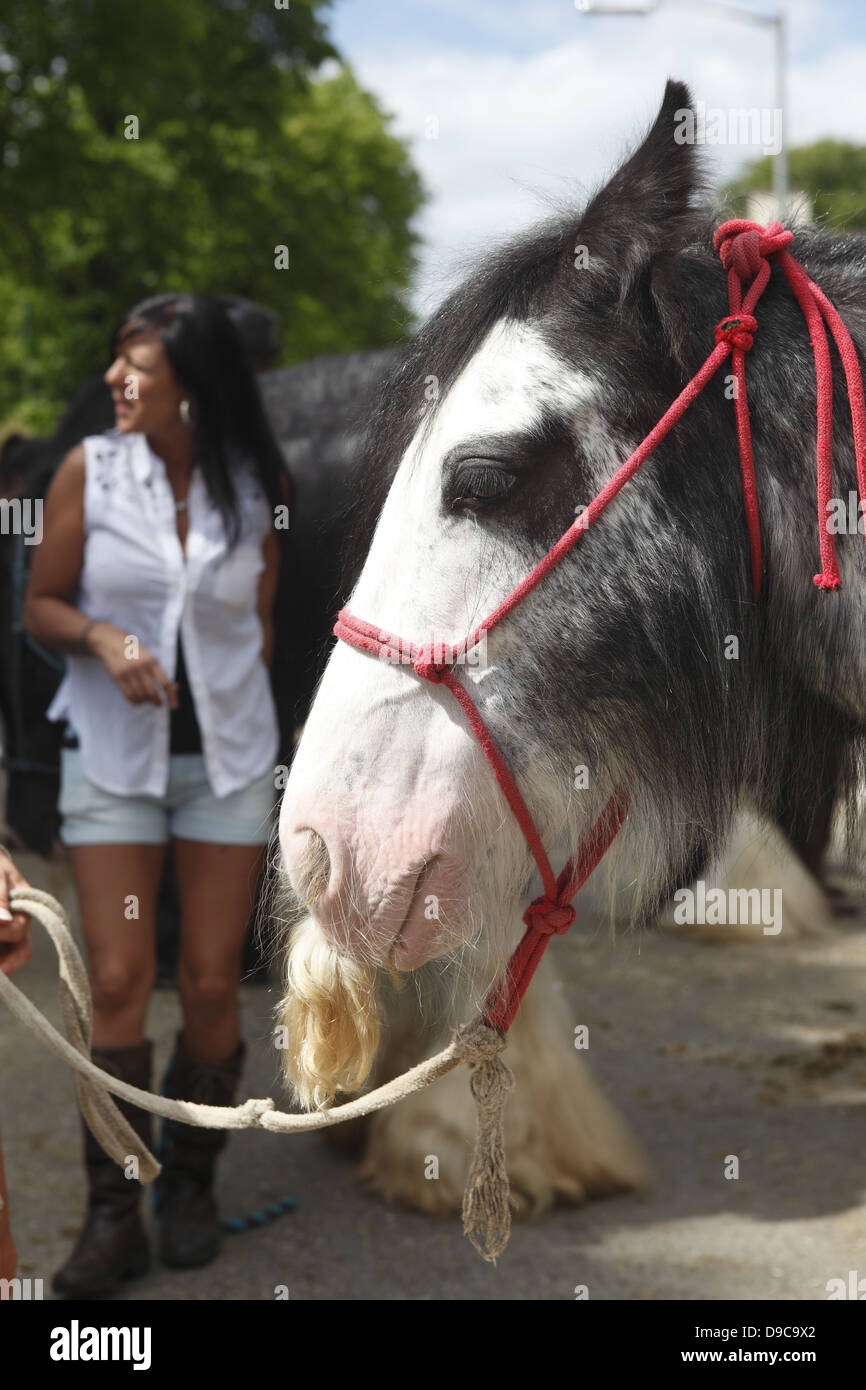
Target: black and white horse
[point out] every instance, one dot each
(547, 368)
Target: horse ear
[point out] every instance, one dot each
(643, 209)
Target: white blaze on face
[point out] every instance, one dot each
(387, 772)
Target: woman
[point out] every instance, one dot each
(15, 951)
(157, 575)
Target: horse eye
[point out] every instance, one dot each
(482, 485)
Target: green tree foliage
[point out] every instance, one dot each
(175, 145)
(831, 172)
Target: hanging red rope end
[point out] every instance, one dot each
(827, 581)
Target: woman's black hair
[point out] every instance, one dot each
(209, 360)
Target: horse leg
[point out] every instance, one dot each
(812, 785)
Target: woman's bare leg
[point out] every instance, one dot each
(217, 885)
(117, 888)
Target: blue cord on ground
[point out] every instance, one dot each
(234, 1225)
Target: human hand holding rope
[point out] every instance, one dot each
(16, 946)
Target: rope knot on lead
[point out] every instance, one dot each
(433, 662)
(546, 916)
(737, 329)
(251, 1112)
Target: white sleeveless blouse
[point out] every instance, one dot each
(135, 575)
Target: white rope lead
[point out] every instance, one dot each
(475, 1044)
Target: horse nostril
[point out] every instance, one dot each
(311, 872)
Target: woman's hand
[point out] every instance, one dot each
(133, 668)
(16, 947)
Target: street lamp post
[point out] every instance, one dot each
(780, 162)
(774, 20)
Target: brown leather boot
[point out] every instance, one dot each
(113, 1244)
(186, 1213)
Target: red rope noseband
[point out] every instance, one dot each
(745, 249)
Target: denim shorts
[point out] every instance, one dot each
(188, 811)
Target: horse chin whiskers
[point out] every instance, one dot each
(331, 1015)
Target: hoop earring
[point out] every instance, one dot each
(185, 412)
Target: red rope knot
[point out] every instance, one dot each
(546, 916)
(432, 663)
(742, 246)
(739, 330)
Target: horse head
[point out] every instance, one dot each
(640, 660)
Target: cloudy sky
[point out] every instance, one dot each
(534, 96)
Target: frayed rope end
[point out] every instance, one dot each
(487, 1196)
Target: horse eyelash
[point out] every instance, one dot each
(480, 478)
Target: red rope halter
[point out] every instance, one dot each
(745, 249)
